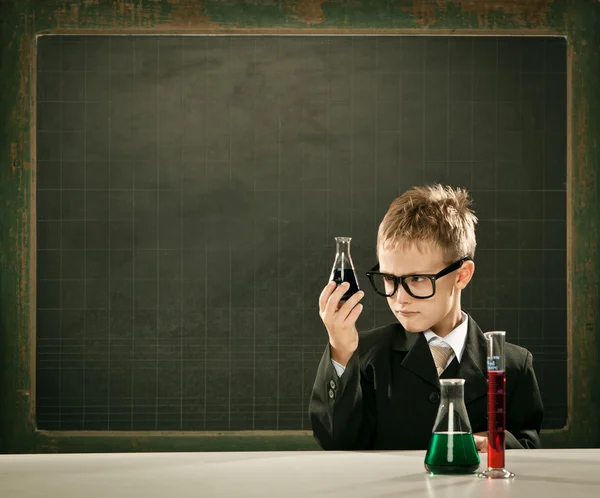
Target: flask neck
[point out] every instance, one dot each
(454, 393)
(342, 245)
(452, 414)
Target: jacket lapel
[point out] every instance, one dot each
(473, 365)
(418, 357)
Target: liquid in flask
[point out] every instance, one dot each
(452, 447)
(343, 267)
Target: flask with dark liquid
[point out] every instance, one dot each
(343, 267)
(452, 447)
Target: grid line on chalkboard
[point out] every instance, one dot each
(543, 174)
(60, 331)
(206, 326)
(85, 237)
(133, 251)
(181, 210)
(278, 383)
(158, 244)
(472, 134)
(494, 310)
(108, 390)
(327, 200)
(231, 331)
(376, 141)
(254, 197)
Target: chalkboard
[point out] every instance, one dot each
(189, 189)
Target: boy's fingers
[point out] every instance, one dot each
(481, 443)
(325, 294)
(350, 304)
(354, 314)
(333, 301)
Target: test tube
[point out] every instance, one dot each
(496, 407)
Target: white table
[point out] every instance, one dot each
(398, 474)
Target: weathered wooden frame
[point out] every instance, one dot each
(23, 20)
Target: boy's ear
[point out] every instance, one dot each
(464, 274)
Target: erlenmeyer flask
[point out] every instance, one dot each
(343, 267)
(452, 447)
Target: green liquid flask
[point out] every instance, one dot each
(452, 447)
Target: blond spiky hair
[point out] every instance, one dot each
(433, 213)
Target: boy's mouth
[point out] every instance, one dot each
(406, 313)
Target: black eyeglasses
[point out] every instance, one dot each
(418, 286)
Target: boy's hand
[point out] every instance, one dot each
(481, 441)
(340, 320)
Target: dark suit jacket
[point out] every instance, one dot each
(389, 394)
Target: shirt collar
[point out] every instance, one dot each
(455, 339)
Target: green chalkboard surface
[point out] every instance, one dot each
(189, 189)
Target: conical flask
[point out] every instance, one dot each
(452, 447)
(343, 267)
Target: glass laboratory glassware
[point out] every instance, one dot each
(496, 407)
(452, 447)
(343, 267)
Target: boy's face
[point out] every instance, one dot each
(417, 315)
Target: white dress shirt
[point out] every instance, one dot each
(455, 340)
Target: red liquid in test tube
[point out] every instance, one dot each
(496, 407)
(496, 418)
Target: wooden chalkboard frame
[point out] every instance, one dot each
(21, 22)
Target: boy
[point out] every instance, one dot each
(380, 389)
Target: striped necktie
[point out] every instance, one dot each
(441, 355)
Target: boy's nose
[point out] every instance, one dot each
(402, 296)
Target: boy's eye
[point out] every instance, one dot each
(388, 278)
(416, 280)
